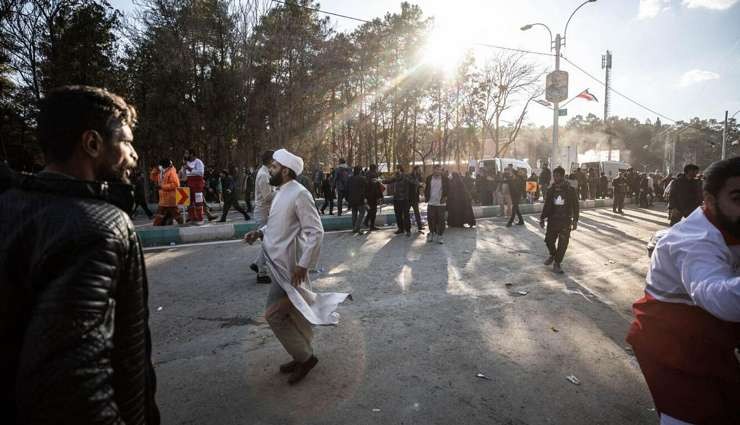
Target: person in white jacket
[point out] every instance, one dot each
(263, 194)
(687, 326)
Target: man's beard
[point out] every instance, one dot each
(727, 224)
(116, 174)
(277, 179)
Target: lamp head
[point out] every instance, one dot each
(528, 26)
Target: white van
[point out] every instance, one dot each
(500, 164)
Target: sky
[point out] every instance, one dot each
(680, 58)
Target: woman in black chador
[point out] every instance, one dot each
(459, 205)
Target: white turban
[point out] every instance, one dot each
(287, 159)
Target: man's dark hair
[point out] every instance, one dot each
(165, 163)
(374, 167)
(559, 170)
(67, 112)
(719, 172)
(357, 170)
(342, 161)
(226, 172)
(266, 157)
(689, 167)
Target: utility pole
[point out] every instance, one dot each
(556, 110)
(606, 65)
(724, 136)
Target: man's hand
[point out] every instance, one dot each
(299, 276)
(575, 225)
(252, 236)
(542, 224)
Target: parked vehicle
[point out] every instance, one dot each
(500, 164)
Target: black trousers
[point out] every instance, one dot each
(515, 211)
(341, 196)
(142, 203)
(560, 233)
(415, 206)
(328, 202)
(403, 220)
(232, 201)
(372, 213)
(248, 200)
(618, 202)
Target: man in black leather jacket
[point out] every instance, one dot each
(76, 346)
(561, 210)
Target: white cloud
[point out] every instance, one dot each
(696, 76)
(710, 4)
(652, 8)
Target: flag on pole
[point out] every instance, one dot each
(543, 102)
(588, 96)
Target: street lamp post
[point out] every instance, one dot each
(556, 45)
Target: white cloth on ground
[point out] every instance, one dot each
(292, 237)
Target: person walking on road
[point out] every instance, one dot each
(415, 180)
(687, 325)
(291, 242)
(194, 173)
(435, 192)
(75, 317)
(545, 177)
(168, 209)
(230, 196)
(685, 194)
(401, 187)
(327, 191)
(620, 187)
(356, 198)
(561, 212)
(263, 194)
(374, 197)
(516, 189)
(140, 194)
(341, 181)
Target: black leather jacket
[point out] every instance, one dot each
(76, 347)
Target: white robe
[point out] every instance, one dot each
(263, 195)
(293, 236)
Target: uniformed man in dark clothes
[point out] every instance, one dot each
(516, 189)
(140, 194)
(603, 186)
(357, 198)
(401, 186)
(686, 194)
(231, 199)
(620, 187)
(561, 211)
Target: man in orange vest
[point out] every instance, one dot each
(168, 210)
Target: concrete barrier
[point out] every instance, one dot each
(163, 236)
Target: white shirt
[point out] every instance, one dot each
(263, 194)
(293, 236)
(196, 168)
(692, 264)
(435, 192)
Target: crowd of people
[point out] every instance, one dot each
(77, 346)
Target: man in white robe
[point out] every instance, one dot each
(263, 194)
(291, 243)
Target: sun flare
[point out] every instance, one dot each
(443, 51)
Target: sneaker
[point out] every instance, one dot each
(302, 369)
(556, 268)
(549, 260)
(264, 279)
(430, 237)
(440, 240)
(254, 268)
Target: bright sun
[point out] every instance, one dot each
(443, 51)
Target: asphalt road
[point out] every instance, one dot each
(425, 320)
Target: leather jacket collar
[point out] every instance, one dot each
(118, 194)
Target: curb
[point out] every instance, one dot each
(164, 236)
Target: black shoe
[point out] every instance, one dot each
(521, 223)
(508, 224)
(549, 260)
(223, 220)
(302, 370)
(289, 367)
(556, 268)
(408, 234)
(264, 279)
(247, 217)
(254, 268)
(399, 231)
